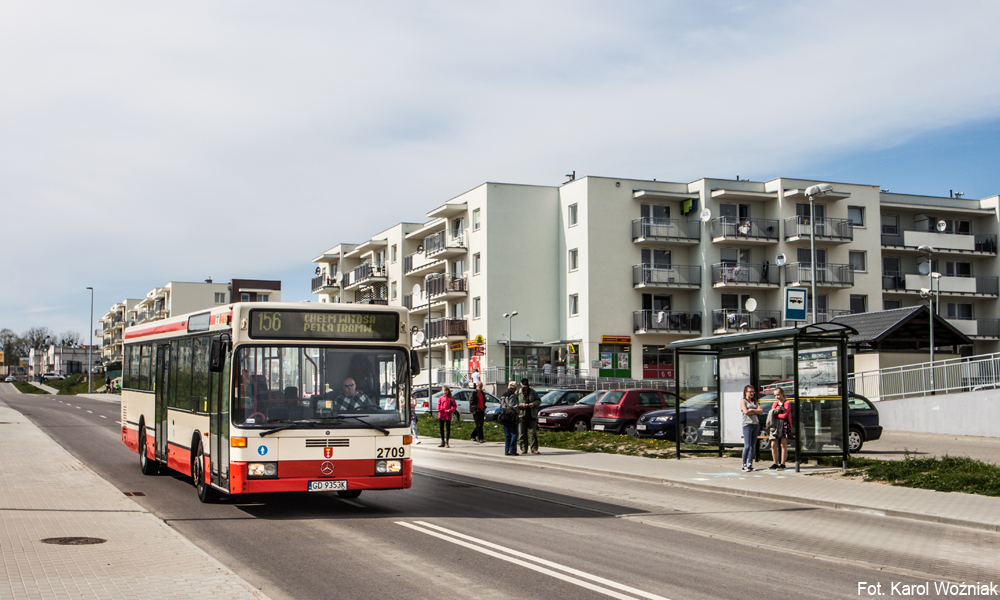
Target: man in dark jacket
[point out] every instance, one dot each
(477, 404)
(528, 403)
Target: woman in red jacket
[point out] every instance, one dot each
(446, 408)
(782, 430)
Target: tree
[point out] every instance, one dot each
(12, 346)
(37, 338)
(69, 338)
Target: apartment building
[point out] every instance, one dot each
(113, 328)
(603, 272)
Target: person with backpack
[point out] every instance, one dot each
(528, 403)
(507, 416)
(446, 407)
(751, 425)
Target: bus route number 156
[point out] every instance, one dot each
(269, 321)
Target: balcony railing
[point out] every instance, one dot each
(443, 284)
(733, 273)
(827, 229)
(666, 275)
(745, 229)
(987, 285)
(648, 228)
(962, 242)
(366, 271)
(727, 319)
(443, 240)
(660, 321)
(977, 327)
(822, 316)
(826, 274)
(440, 328)
(318, 283)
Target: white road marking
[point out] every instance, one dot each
(481, 546)
(90, 411)
(80, 407)
(352, 503)
(119, 422)
(102, 416)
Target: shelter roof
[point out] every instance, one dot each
(716, 342)
(901, 329)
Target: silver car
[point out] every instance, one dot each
(462, 398)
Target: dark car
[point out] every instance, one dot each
(659, 424)
(569, 417)
(863, 424)
(619, 411)
(561, 397)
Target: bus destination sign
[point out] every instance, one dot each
(324, 325)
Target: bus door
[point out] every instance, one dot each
(219, 421)
(162, 387)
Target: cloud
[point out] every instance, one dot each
(143, 143)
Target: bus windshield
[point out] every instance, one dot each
(325, 387)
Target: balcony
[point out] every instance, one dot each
(365, 273)
(323, 282)
(444, 287)
(658, 321)
(827, 275)
(445, 244)
(977, 328)
(836, 231)
(984, 244)
(949, 285)
(728, 274)
(447, 329)
(744, 231)
(666, 276)
(674, 231)
(822, 316)
(730, 320)
(419, 263)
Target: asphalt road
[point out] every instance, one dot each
(478, 529)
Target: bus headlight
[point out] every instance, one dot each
(388, 467)
(268, 469)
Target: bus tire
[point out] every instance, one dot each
(147, 466)
(206, 493)
(349, 493)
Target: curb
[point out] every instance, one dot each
(900, 514)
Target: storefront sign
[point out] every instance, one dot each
(479, 341)
(455, 346)
(616, 339)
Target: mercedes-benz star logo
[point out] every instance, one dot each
(326, 468)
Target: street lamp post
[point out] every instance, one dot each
(813, 191)
(90, 348)
(925, 249)
(510, 332)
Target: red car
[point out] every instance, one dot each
(618, 410)
(569, 417)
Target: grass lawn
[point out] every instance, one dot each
(946, 474)
(27, 388)
(72, 385)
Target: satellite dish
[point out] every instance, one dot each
(706, 215)
(416, 290)
(338, 277)
(780, 260)
(924, 268)
(318, 270)
(941, 226)
(418, 338)
(750, 305)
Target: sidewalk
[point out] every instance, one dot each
(46, 493)
(45, 388)
(724, 475)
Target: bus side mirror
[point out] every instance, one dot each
(414, 363)
(217, 356)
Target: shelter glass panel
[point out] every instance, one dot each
(698, 390)
(820, 423)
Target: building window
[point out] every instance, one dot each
(574, 305)
(573, 215)
(392, 292)
(859, 261)
(475, 220)
(244, 297)
(856, 215)
(859, 304)
(574, 259)
(956, 268)
(220, 297)
(393, 253)
(477, 308)
(654, 211)
(891, 304)
(959, 311)
(262, 297)
(476, 265)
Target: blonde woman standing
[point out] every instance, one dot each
(751, 424)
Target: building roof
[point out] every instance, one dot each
(730, 340)
(900, 329)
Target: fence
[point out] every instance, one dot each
(497, 378)
(943, 376)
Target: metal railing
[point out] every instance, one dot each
(666, 321)
(318, 283)
(728, 272)
(985, 327)
(822, 316)
(830, 229)
(648, 228)
(744, 229)
(951, 375)
(894, 236)
(443, 240)
(666, 275)
(826, 274)
(366, 271)
(895, 281)
(442, 284)
(447, 327)
(728, 319)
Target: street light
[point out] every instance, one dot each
(90, 348)
(929, 294)
(510, 332)
(813, 191)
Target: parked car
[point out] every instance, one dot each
(10, 379)
(53, 376)
(462, 398)
(863, 424)
(570, 417)
(619, 411)
(561, 397)
(659, 424)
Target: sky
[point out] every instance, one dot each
(142, 143)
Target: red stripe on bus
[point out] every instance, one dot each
(156, 330)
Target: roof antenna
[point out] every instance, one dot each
(572, 176)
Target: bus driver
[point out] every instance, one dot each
(351, 399)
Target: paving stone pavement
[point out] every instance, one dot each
(47, 493)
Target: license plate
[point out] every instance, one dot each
(641, 427)
(598, 427)
(543, 420)
(326, 486)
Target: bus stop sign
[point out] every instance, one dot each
(795, 304)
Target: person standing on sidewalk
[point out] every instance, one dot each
(477, 404)
(446, 408)
(507, 416)
(781, 429)
(751, 425)
(413, 418)
(528, 403)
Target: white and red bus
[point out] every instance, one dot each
(272, 397)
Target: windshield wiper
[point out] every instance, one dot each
(360, 420)
(292, 425)
(296, 424)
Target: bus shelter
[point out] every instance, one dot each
(809, 363)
